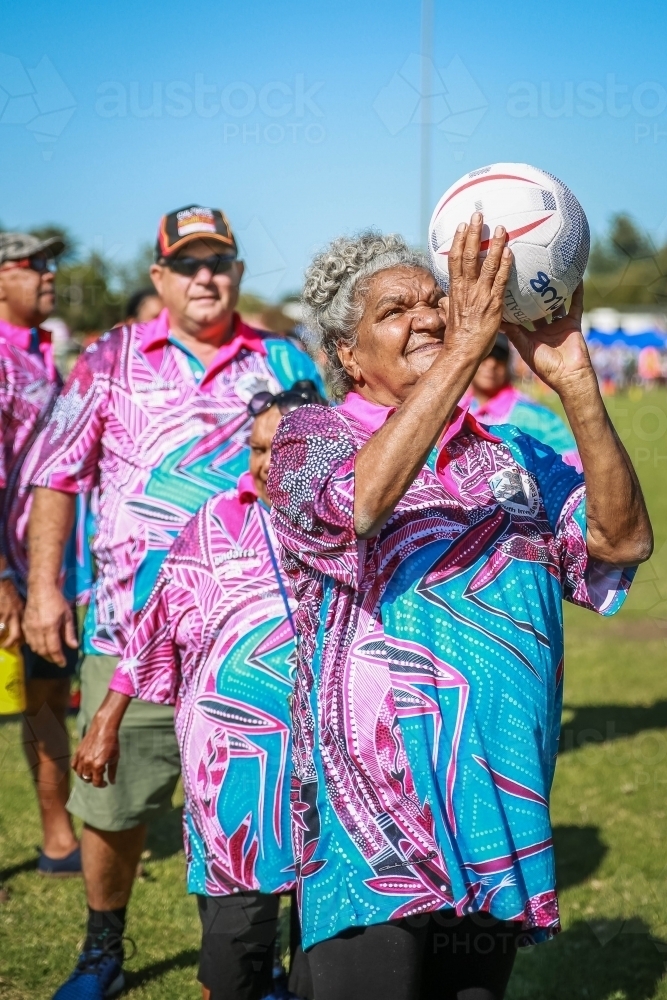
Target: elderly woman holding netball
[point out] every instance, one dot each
(431, 556)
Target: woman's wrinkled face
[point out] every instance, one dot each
(399, 336)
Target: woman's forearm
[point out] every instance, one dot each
(618, 526)
(388, 463)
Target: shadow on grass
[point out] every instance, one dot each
(165, 835)
(605, 723)
(184, 960)
(596, 960)
(579, 853)
(23, 866)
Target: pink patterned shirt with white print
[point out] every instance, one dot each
(29, 384)
(216, 639)
(142, 420)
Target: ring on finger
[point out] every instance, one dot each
(3, 627)
(86, 777)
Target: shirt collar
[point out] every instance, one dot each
(155, 334)
(19, 336)
(246, 488)
(373, 416)
(497, 406)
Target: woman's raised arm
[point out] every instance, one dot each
(618, 529)
(388, 463)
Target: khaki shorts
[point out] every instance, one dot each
(149, 763)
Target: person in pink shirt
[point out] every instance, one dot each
(430, 557)
(153, 416)
(216, 639)
(492, 399)
(29, 384)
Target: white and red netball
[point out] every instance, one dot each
(547, 232)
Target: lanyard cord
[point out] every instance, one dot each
(274, 563)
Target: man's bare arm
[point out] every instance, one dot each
(48, 619)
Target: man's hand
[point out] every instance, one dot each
(47, 623)
(556, 351)
(99, 750)
(11, 612)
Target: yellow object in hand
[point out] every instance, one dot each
(12, 682)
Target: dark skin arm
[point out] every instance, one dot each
(619, 530)
(618, 526)
(388, 463)
(99, 750)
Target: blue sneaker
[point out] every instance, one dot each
(98, 975)
(68, 867)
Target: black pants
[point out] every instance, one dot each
(435, 957)
(238, 947)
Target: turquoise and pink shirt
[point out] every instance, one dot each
(216, 639)
(509, 406)
(143, 421)
(427, 703)
(29, 383)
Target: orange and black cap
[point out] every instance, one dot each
(194, 222)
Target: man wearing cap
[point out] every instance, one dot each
(492, 399)
(155, 415)
(29, 384)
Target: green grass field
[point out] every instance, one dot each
(609, 811)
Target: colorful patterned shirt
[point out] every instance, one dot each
(216, 639)
(428, 695)
(159, 436)
(509, 406)
(29, 384)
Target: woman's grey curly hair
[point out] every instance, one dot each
(333, 294)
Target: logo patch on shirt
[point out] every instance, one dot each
(251, 383)
(516, 491)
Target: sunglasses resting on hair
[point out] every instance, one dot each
(302, 392)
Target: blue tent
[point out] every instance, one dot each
(619, 338)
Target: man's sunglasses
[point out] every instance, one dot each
(38, 263)
(189, 266)
(302, 392)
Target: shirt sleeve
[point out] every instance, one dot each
(311, 485)
(67, 451)
(588, 582)
(150, 666)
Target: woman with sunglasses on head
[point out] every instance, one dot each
(217, 640)
(430, 557)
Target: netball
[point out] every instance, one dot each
(547, 231)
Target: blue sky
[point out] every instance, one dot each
(295, 117)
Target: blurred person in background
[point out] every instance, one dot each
(155, 416)
(143, 306)
(216, 639)
(492, 399)
(29, 384)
